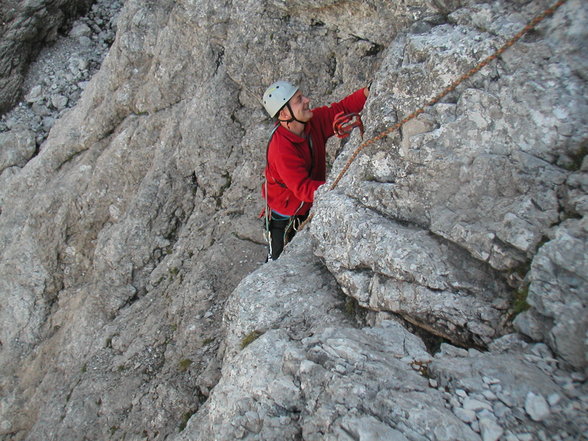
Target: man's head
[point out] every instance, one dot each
(284, 100)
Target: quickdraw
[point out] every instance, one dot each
(345, 123)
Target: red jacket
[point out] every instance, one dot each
(291, 176)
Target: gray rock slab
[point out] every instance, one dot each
(558, 291)
(388, 266)
(536, 406)
(385, 396)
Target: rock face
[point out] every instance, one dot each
(25, 27)
(472, 189)
(438, 294)
(57, 78)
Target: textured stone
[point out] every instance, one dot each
(81, 29)
(473, 404)
(435, 188)
(558, 291)
(59, 101)
(26, 27)
(418, 275)
(490, 430)
(312, 377)
(286, 302)
(35, 94)
(553, 399)
(18, 146)
(536, 407)
(467, 416)
(125, 241)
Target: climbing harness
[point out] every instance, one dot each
(531, 25)
(345, 123)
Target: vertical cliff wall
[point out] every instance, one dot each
(126, 240)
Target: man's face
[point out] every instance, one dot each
(299, 104)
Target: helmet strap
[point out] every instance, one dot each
(288, 121)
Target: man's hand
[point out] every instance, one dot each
(366, 90)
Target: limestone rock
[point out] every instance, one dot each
(18, 146)
(480, 176)
(135, 302)
(536, 406)
(490, 430)
(35, 94)
(271, 298)
(80, 30)
(558, 291)
(310, 377)
(394, 267)
(26, 26)
(484, 206)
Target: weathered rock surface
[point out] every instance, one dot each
(315, 381)
(25, 26)
(126, 236)
(291, 373)
(404, 269)
(557, 291)
(56, 79)
(474, 187)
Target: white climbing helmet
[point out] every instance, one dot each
(277, 95)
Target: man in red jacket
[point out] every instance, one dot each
(296, 156)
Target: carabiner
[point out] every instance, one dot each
(343, 124)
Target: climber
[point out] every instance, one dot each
(296, 157)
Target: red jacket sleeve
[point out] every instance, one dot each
(326, 115)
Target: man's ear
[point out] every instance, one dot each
(284, 114)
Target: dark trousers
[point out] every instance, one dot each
(282, 230)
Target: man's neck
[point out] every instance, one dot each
(294, 127)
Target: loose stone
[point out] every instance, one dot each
(536, 407)
(490, 381)
(489, 395)
(461, 393)
(578, 376)
(475, 425)
(85, 41)
(472, 404)
(486, 414)
(501, 410)
(505, 398)
(490, 430)
(59, 101)
(80, 30)
(34, 95)
(553, 399)
(467, 416)
(496, 388)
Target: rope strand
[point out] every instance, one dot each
(531, 25)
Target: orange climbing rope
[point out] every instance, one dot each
(532, 24)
